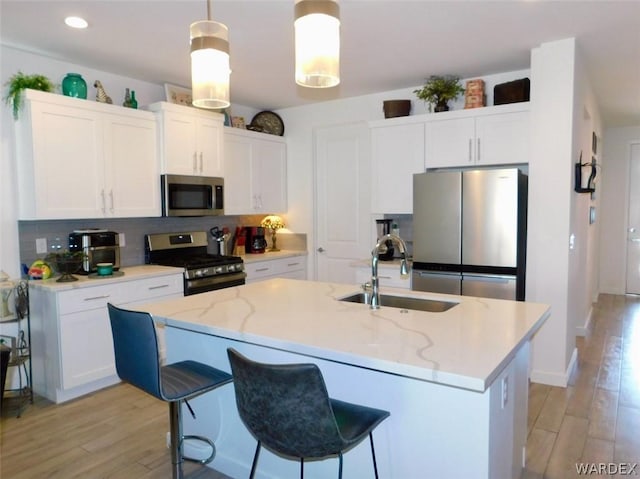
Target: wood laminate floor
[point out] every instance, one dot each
(595, 421)
(120, 432)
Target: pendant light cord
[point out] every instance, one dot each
(209, 10)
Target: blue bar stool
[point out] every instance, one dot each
(137, 362)
(288, 410)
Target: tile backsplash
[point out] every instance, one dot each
(134, 229)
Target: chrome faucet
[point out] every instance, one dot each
(375, 286)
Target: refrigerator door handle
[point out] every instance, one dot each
(494, 278)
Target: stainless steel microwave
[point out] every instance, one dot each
(185, 195)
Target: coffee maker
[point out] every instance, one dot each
(385, 251)
(255, 241)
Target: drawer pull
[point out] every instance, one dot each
(293, 264)
(159, 286)
(93, 298)
(261, 269)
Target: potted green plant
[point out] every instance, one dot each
(438, 90)
(19, 82)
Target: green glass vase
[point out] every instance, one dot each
(73, 85)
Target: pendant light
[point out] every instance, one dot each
(317, 39)
(210, 63)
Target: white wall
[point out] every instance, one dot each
(550, 190)
(613, 211)
(583, 258)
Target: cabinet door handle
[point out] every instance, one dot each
(260, 201)
(93, 298)
(111, 198)
(478, 151)
(321, 250)
(195, 161)
(201, 163)
(104, 202)
(159, 286)
(470, 148)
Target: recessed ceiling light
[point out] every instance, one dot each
(76, 22)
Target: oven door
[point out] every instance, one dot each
(212, 283)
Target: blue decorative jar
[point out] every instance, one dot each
(74, 85)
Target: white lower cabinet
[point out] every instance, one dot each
(388, 275)
(294, 267)
(71, 332)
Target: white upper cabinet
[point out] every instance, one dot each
(82, 159)
(478, 137)
(190, 140)
(397, 153)
(255, 173)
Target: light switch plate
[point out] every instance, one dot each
(121, 240)
(41, 245)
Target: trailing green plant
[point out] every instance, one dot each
(19, 82)
(438, 90)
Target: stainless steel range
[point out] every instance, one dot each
(202, 271)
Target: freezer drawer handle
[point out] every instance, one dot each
(489, 279)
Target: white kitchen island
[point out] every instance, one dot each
(455, 382)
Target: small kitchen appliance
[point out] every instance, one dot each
(98, 246)
(186, 195)
(202, 271)
(386, 251)
(255, 241)
(221, 239)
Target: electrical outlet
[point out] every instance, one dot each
(121, 240)
(41, 245)
(505, 391)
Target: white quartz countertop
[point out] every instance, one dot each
(271, 255)
(466, 346)
(130, 273)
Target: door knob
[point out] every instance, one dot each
(321, 250)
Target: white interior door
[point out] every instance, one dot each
(343, 200)
(633, 243)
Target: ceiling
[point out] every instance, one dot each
(386, 45)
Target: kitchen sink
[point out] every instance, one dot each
(403, 302)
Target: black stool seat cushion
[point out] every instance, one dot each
(355, 421)
(185, 379)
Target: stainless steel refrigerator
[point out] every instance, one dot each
(470, 232)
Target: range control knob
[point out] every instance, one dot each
(218, 270)
(231, 268)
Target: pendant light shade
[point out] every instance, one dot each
(210, 63)
(317, 39)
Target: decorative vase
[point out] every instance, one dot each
(73, 85)
(127, 99)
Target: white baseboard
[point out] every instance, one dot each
(582, 330)
(556, 379)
